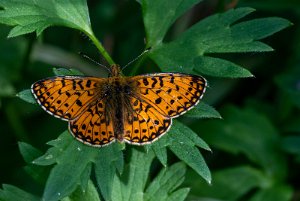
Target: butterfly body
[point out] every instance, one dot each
(137, 109)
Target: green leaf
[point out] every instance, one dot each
(71, 165)
(165, 182)
(131, 184)
(226, 186)
(64, 72)
(203, 110)
(12, 193)
(276, 193)
(59, 145)
(219, 67)
(183, 142)
(185, 136)
(249, 132)
(27, 96)
(219, 33)
(157, 22)
(90, 194)
(36, 15)
(178, 195)
(85, 177)
(192, 157)
(29, 152)
(159, 147)
(109, 159)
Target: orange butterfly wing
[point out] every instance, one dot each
(157, 99)
(66, 97)
(78, 100)
(145, 124)
(94, 126)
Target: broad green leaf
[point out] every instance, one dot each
(29, 152)
(27, 96)
(165, 182)
(12, 193)
(108, 161)
(36, 15)
(276, 193)
(226, 186)
(160, 15)
(66, 175)
(131, 184)
(203, 110)
(219, 33)
(249, 132)
(90, 194)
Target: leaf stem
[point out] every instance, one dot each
(100, 47)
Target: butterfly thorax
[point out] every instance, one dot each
(115, 71)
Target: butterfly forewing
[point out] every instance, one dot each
(66, 97)
(172, 94)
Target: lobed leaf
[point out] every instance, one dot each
(131, 184)
(165, 183)
(219, 33)
(71, 165)
(90, 194)
(36, 15)
(108, 161)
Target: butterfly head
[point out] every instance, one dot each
(115, 70)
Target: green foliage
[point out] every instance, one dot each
(72, 171)
(12, 193)
(29, 16)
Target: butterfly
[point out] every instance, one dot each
(137, 110)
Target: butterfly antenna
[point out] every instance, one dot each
(145, 51)
(92, 60)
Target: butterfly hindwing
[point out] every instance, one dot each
(145, 124)
(66, 97)
(94, 126)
